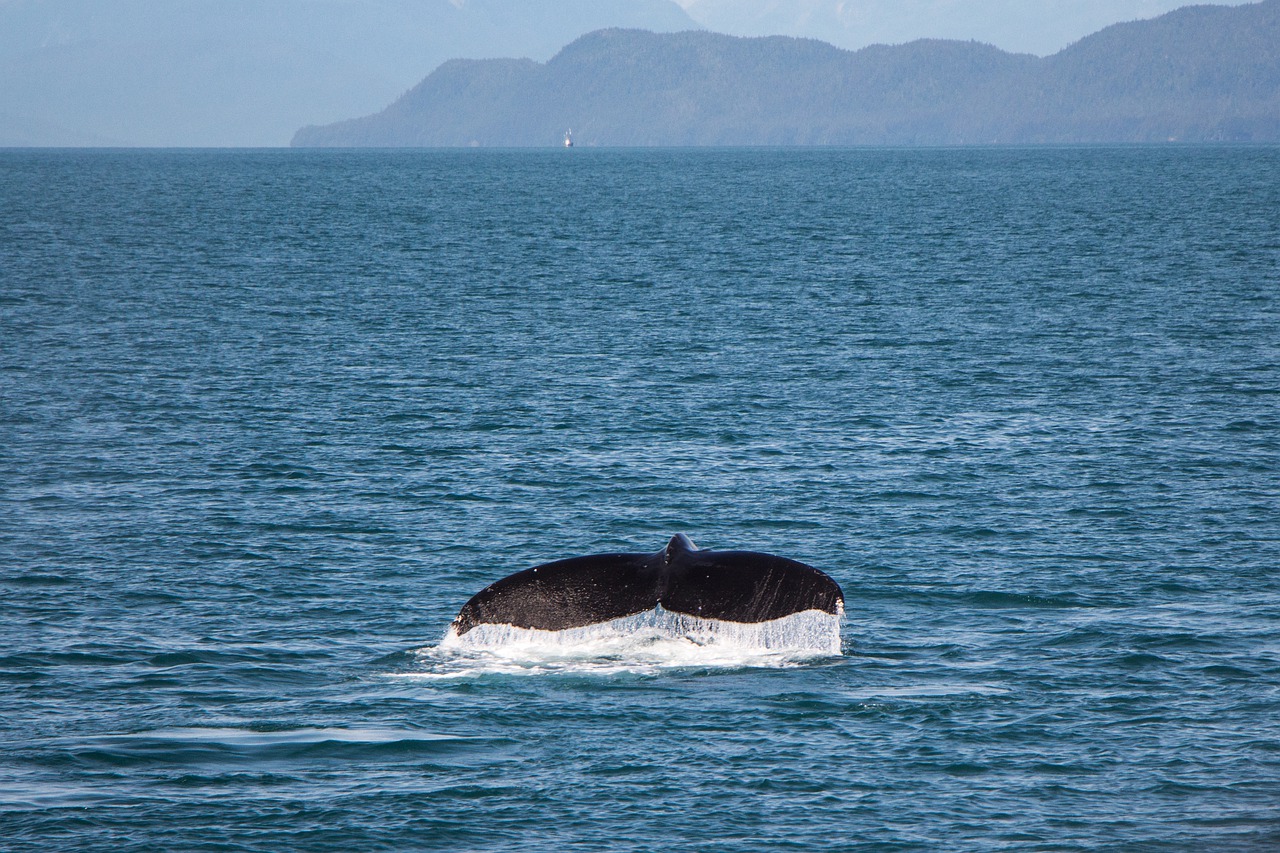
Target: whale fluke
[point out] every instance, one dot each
(736, 586)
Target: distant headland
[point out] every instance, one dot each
(1198, 74)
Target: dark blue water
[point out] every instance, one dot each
(268, 419)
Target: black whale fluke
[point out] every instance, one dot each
(736, 586)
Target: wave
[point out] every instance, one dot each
(198, 745)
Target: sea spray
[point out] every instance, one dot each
(646, 642)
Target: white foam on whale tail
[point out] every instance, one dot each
(646, 642)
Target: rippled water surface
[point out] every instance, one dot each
(267, 419)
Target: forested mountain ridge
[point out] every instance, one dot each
(1200, 73)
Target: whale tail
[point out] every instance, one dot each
(735, 586)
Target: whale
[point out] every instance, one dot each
(734, 586)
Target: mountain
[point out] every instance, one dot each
(1041, 27)
(1198, 73)
(250, 72)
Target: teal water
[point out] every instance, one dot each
(267, 419)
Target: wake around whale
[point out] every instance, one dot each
(730, 586)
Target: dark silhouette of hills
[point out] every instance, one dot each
(1201, 73)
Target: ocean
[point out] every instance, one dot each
(269, 418)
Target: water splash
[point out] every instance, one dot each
(646, 643)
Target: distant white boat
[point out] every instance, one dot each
(568, 139)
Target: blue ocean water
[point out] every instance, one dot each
(267, 419)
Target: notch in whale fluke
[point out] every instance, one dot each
(736, 586)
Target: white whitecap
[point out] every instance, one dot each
(652, 641)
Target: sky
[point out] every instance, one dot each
(251, 72)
